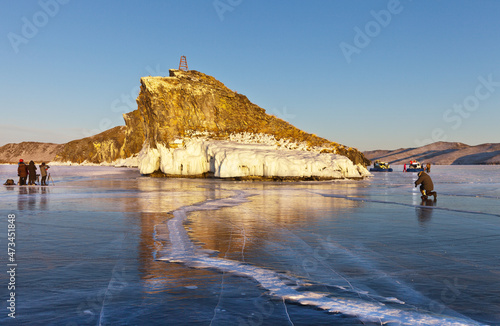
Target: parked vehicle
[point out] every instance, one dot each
(380, 166)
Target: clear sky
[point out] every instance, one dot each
(368, 74)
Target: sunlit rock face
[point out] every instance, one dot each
(116, 144)
(100, 148)
(190, 101)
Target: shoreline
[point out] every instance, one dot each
(210, 175)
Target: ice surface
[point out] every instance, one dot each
(243, 253)
(184, 251)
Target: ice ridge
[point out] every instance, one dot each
(183, 250)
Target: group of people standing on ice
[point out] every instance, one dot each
(29, 172)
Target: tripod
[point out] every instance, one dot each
(49, 178)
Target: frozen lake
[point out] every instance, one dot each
(106, 246)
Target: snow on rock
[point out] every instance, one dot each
(132, 161)
(149, 160)
(245, 157)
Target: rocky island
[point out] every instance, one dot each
(189, 124)
(194, 125)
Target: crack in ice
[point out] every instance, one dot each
(183, 250)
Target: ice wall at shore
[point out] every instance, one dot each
(236, 158)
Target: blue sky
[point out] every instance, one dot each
(368, 74)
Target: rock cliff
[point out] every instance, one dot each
(109, 146)
(104, 147)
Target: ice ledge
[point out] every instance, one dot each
(129, 162)
(236, 159)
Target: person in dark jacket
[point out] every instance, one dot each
(426, 185)
(22, 172)
(43, 173)
(32, 173)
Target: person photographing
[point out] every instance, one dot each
(43, 173)
(426, 185)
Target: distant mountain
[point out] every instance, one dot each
(38, 152)
(445, 153)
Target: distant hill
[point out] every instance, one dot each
(38, 152)
(104, 147)
(445, 153)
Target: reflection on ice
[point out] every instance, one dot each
(32, 198)
(424, 212)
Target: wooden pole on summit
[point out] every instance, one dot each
(183, 65)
